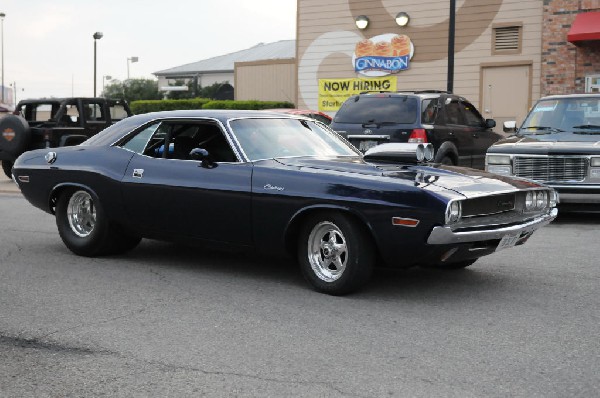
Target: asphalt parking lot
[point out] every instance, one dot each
(167, 320)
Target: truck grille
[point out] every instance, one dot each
(551, 168)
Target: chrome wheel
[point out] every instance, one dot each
(81, 213)
(327, 251)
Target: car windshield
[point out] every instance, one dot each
(576, 116)
(375, 110)
(273, 138)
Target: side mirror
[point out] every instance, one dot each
(203, 156)
(509, 126)
(490, 123)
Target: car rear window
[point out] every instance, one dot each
(402, 110)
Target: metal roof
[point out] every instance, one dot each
(225, 63)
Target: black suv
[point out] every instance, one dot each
(460, 136)
(53, 122)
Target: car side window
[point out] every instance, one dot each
(453, 111)
(175, 140)
(94, 112)
(472, 116)
(429, 112)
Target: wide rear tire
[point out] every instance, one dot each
(84, 227)
(335, 253)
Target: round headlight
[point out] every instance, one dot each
(542, 199)
(529, 200)
(453, 212)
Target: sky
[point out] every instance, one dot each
(49, 45)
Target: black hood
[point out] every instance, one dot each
(465, 181)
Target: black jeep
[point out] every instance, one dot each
(54, 122)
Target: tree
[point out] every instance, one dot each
(133, 90)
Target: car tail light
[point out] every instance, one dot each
(418, 136)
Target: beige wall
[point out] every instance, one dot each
(270, 80)
(327, 35)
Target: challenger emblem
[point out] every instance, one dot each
(8, 134)
(368, 131)
(273, 187)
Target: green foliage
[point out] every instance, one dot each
(133, 90)
(253, 104)
(138, 107)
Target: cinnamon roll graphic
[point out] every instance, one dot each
(400, 45)
(364, 48)
(383, 49)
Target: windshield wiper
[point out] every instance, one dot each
(544, 129)
(587, 127)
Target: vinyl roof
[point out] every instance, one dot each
(225, 63)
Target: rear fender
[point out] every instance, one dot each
(60, 188)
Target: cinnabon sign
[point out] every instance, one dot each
(383, 55)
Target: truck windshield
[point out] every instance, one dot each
(579, 115)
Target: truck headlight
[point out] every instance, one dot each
(595, 167)
(498, 164)
(502, 170)
(498, 159)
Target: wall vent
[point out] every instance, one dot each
(507, 39)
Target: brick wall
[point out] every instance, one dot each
(565, 65)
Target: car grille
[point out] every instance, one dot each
(551, 168)
(489, 205)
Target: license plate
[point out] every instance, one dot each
(507, 241)
(366, 145)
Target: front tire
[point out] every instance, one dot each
(335, 253)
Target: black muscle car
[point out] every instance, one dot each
(277, 184)
(558, 145)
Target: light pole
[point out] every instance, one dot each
(2, 15)
(132, 59)
(451, 39)
(14, 86)
(97, 36)
(104, 79)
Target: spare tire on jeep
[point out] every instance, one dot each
(15, 135)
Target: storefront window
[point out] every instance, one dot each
(592, 84)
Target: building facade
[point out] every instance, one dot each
(507, 53)
(571, 46)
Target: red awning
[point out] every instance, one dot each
(586, 26)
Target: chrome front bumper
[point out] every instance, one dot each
(445, 235)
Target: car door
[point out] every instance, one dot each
(482, 136)
(457, 131)
(180, 197)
